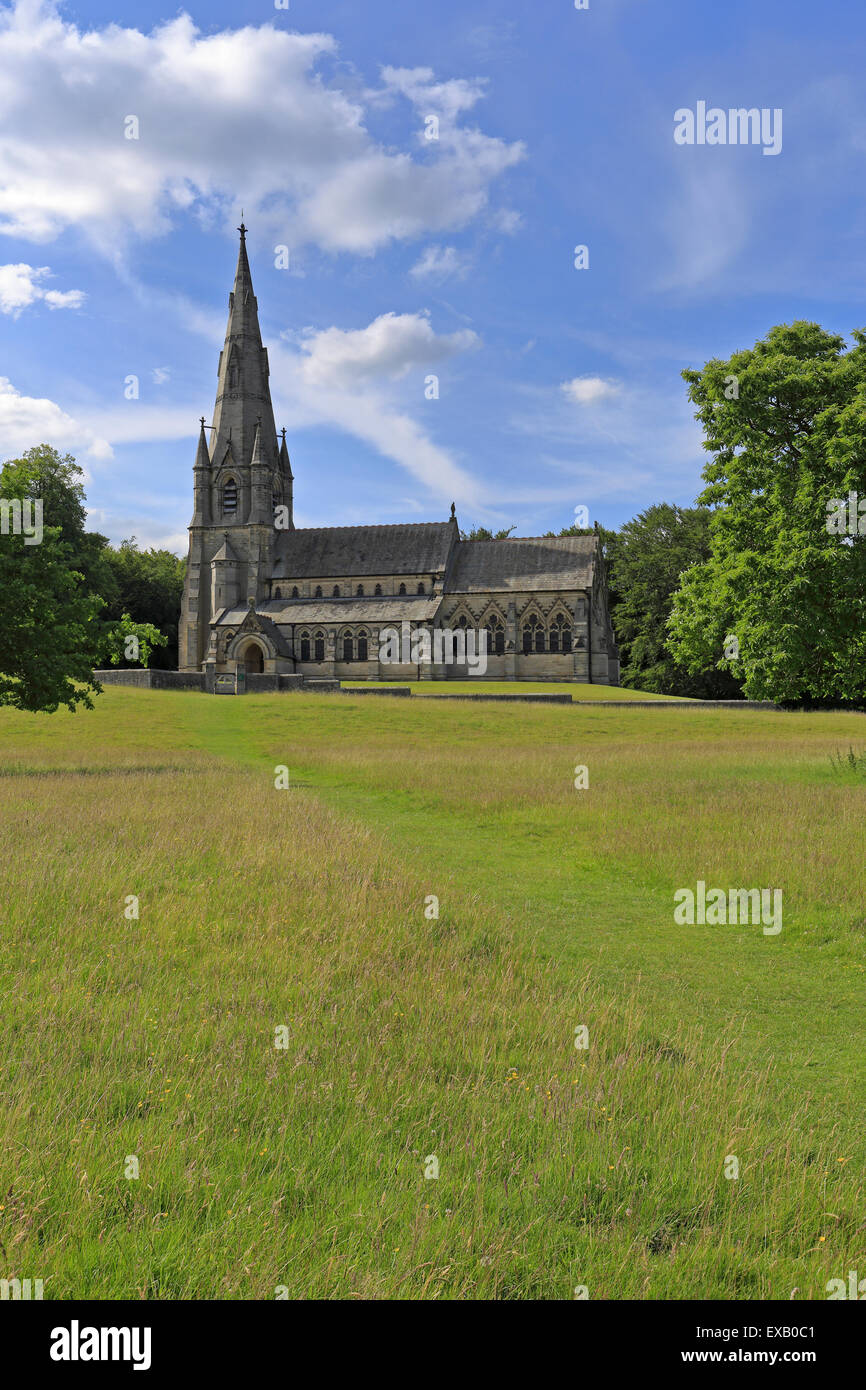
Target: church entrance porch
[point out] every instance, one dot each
(252, 659)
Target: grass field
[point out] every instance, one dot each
(479, 687)
(409, 1036)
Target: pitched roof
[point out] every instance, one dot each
(333, 551)
(535, 562)
(388, 609)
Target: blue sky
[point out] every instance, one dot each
(409, 257)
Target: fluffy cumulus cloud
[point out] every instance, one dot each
(588, 390)
(350, 380)
(386, 349)
(303, 161)
(29, 420)
(22, 285)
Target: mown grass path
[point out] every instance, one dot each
(412, 1036)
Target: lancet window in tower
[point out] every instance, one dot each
(230, 498)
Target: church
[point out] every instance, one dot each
(263, 597)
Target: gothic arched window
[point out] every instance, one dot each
(378, 590)
(318, 593)
(402, 589)
(362, 646)
(560, 634)
(278, 593)
(421, 588)
(533, 635)
(360, 591)
(305, 646)
(336, 593)
(230, 497)
(495, 636)
(319, 646)
(348, 649)
(295, 593)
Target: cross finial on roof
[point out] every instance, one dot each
(242, 229)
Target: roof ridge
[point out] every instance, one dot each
(379, 526)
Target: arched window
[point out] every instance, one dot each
(560, 634)
(305, 646)
(421, 588)
(318, 593)
(295, 593)
(378, 590)
(230, 497)
(336, 593)
(348, 649)
(319, 646)
(360, 591)
(402, 589)
(362, 646)
(278, 593)
(581, 609)
(533, 635)
(461, 622)
(495, 636)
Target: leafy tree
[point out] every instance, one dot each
(785, 425)
(148, 587)
(49, 622)
(650, 554)
(481, 533)
(130, 643)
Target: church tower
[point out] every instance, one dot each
(240, 477)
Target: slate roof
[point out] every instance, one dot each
(322, 551)
(537, 562)
(387, 609)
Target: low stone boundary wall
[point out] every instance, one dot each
(147, 679)
(371, 690)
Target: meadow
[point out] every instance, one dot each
(286, 1034)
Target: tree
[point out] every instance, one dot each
(781, 600)
(650, 553)
(481, 533)
(148, 587)
(49, 622)
(56, 589)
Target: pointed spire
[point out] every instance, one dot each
(202, 458)
(243, 392)
(285, 461)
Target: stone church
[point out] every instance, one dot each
(263, 596)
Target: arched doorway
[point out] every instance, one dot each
(254, 661)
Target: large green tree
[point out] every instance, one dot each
(55, 589)
(781, 600)
(148, 588)
(648, 557)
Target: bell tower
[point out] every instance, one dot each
(240, 476)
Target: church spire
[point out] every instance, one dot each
(243, 392)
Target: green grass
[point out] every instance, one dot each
(410, 1035)
(485, 687)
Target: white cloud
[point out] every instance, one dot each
(29, 420)
(439, 262)
(302, 162)
(346, 380)
(21, 285)
(386, 349)
(587, 390)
